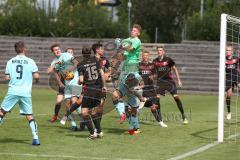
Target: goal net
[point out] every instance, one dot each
(228, 102)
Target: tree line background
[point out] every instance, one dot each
(86, 19)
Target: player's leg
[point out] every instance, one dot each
(71, 116)
(96, 121)
(25, 104)
(87, 117)
(7, 105)
(228, 102)
(133, 102)
(57, 107)
(172, 88)
(119, 104)
(156, 111)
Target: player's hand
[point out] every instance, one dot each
(142, 99)
(180, 84)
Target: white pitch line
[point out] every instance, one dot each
(201, 149)
(63, 156)
(22, 116)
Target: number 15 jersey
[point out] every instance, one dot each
(20, 69)
(90, 69)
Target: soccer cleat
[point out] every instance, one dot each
(131, 132)
(53, 118)
(136, 131)
(63, 120)
(35, 142)
(92, 136)
(163, 125)
(122, 118)
(100, 135)
(185, 121)
(74, 128)
(229, 116)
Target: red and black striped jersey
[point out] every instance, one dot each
(232, 65)
(163, 67)
(146, 70)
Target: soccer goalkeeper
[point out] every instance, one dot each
(131, 56)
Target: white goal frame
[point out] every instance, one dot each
(221, 92)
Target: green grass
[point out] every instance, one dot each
(153, 143)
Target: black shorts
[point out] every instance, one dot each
(231, 82)
(149, 91)
(166, 85)
(92, 96)
(60, 91)
(152, 101)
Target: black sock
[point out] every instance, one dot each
(73, 107)
(57, 108)
(180, 107)
(88, 122)
(228, 101)
(97, 124)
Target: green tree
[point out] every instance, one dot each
(24, 18)
(208, 28)
(167, 15)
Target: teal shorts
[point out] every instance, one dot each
(133, 100)
(72, 91)
(10, 101)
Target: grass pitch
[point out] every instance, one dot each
(154, 143)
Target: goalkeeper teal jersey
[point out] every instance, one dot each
(132, 58)
(20, 69)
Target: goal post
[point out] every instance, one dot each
(221, 91)
(229, 36)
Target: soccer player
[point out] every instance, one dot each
(130, 64)
(146, 70)
(232, 77)
(20, 71)
(132, 88)
(163, 65)
(70, 50)
(98, 50)
(92, 77)
(64, 63)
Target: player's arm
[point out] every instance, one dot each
(75, 64)
(50, 69)
(36, 76)
(7, 77)
(177, 75)
(103, 79)
(58, 78)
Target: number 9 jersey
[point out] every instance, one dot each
(20, 69)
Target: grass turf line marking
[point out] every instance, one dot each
(23, 116)
(201, 149)
(63, 156)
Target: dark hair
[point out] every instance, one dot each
(96, 46)
(160, 47)
(138, 27)
(86, 52)
(19, 47)
(145, 51)
(68, 49)
(53, 46)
